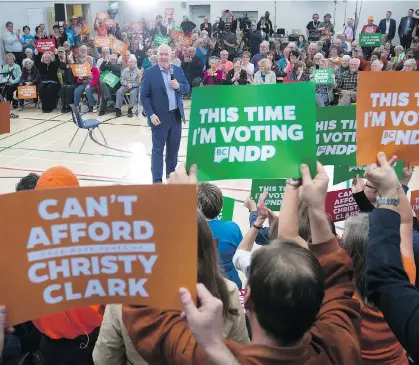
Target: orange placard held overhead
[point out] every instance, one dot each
(387, 115)
(103, 42)
(27, 92)
(102, 15)
(110, 23)
(169, 11)
(138, 26)
(96, 245)
(414, 201)
(81, 70)
(119, 47)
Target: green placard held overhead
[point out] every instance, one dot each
(226, 213)
(275, 187)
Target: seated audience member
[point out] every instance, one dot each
(298, 74)
(69, 81)
(348, 83)
(82, 54)
(292, 58)
(264, 75)
(30, 76)
(282, 63)
(49, 85)
(388, 284)
(124, 59)
(146, 62)
(236, 76)
(263, 50)
(409, 65)
(106, 91)
(317, 324)
(29, 54)
(228, 234)
(363, 64)
(270, 56)
(311, 52)
(130, 77)
(344, 66)
(377, 66)
(66, 337)
(324, 92)
(10, 79)
(387, 50)
(154, 60)
(104, 58)
(334, 58)
(113, 330)
(246, 65)
(87, 84)
(397, 60)
(316, 62)
(174, 60)
(28, 182)
(213, 76)
(376, 55)
(302, 43)
(201, 50)
(224, 65)
(193, 67)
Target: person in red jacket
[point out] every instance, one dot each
(87, 84)
(67, 337)
(370, 27)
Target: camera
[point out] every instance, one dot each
(244, 22)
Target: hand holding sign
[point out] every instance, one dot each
(383, 176)
(358, 185)
(407, 174)
(180, 176)
(315, 190)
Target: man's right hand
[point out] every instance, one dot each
(155, 120)
(314, 190)
(383, 176)
(358, 185)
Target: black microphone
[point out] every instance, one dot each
(172, 74)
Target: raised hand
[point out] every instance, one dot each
(358, 184)
(180, 176)
(383, 176)
(314, 191)
(407, 174)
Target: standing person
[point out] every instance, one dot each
(159, 28)
(312, 28)
(370, 27)
(255, 38)
(326, 28)
(193, 67)
(263, 26)
(407, 25)
(269, 23)
(28, 38)
(100, 28)
(164, 110)
(387, 27)
(206, 26)
(187, 26)
(230, 41)
(349, 31)
(13, 43)
(49, 85)
(130, 82)
(263, 51)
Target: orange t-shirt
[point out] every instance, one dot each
(379, 345)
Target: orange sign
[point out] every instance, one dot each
(119, 46)
(387, 116)
(138, 26)
(27, 92)
(414, 201)
(96, 245)
(169, 11)
(102, 16)
(103, 42)
(110, 23)
(81, 70)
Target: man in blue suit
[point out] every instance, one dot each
(161, 95)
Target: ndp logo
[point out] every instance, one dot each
(388, 136)
(244, 153)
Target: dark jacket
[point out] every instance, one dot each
(108, 66)
(49, 72)
(391, 30)
(68, 77)
(269, 28)
(187, 26)
(388, 284)
(32, 76)
(242, 80)
(402, 24)
(255, 39)
(208, 29)
(194, 68)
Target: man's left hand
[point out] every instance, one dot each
(174, 84)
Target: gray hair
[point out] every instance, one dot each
(354, 242)
(346, 57)
(380, 63)
(214, 59)
(10, 55)
(237, 60)
(319, 56)
(411, 62)
(29, 49)
(26, 62)
(399, 48)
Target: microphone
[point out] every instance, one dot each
(263, 77)
(172, 74)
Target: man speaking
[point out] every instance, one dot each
(161, 95)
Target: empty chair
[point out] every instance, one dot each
(89, 125)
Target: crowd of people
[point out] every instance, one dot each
(310, 295)
(228, 52)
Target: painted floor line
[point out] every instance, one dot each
(22, 130)
(68, 152)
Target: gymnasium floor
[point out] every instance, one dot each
(38, 141)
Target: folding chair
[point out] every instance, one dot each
(89, 125)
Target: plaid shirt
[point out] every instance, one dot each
(348, 81)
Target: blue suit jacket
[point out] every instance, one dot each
(154, 95)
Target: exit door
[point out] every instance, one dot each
(197, 13)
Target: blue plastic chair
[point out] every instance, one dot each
(89, 125)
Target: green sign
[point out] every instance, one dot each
(336, 135)
(345, 173)
(323, 76)
(275, 187)
(226, 213)
(252, 133)
(370, 39)
(161, 39)
(109, 78)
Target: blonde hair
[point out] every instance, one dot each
(265, 63)
(47, 54)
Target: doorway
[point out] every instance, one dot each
(198, 12)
